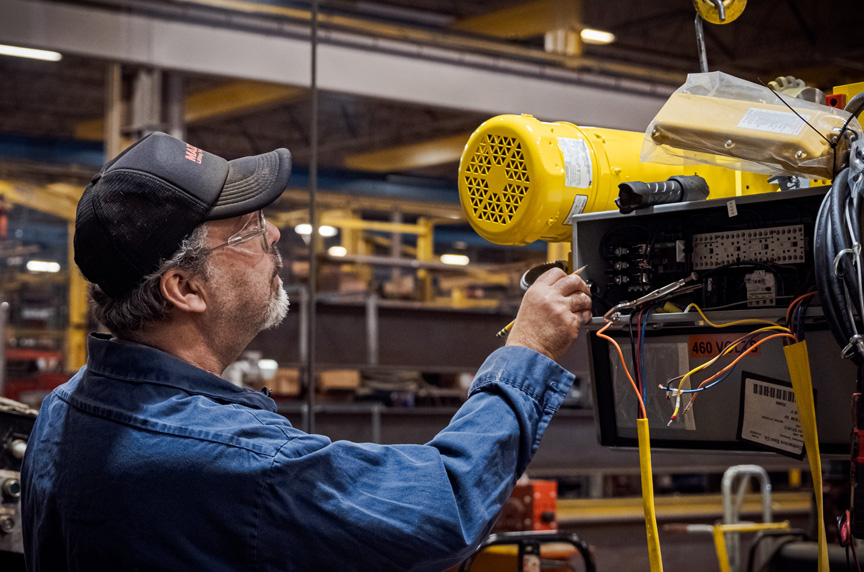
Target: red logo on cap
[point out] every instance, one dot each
(194, 153)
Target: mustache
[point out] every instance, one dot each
(277, 263)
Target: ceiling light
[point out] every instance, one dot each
(324, 230)
(591, 36)
(42, 266)
(455, 259)
(30, 53)
(337, 251)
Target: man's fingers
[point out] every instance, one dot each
(579, 302)
(570, 284)
(550, 276)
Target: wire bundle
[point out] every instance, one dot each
(837, 251)
(743, 345)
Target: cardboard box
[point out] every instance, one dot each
(286, 382)
(339, 379)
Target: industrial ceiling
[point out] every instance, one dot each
(402, 84)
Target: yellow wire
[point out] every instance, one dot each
(736, 322)
(727, 350)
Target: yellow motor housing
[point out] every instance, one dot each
(521, 179)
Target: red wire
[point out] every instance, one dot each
(790, 309)
(739, 358)
(600, 334)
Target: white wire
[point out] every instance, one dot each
(856, 261)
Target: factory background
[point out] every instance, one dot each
(395, 297)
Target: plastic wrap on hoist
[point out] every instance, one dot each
(718, 119)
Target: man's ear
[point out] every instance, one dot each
(184, 292)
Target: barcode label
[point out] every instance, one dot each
(774, 392)
(769, 415)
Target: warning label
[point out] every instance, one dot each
(783, 122)
(578, 169)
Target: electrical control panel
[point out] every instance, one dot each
(743, 259)
(749, 252)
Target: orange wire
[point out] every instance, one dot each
(792, 305)
(739, 358)
(600, 334)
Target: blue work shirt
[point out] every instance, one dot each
(143, 461)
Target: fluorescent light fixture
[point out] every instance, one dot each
(337, 251)
(455, 259)
(30, 53)
(591, 36)
(42, 266)
(324, 230)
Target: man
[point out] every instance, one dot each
(147, 460)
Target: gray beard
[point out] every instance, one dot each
(277, 309)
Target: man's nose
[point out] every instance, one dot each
(273, 233)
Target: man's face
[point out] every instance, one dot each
(245, 292)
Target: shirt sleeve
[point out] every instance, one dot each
(352, 506)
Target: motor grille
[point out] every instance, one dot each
(497, 205)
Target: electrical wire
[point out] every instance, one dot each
(743, 342)
(600, 334)
(733, 323)
(642, 383)
(634, 349)
(721, 375)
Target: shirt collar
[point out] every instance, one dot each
(138, 363)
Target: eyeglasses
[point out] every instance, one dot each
(255, 227)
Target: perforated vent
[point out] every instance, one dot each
(499, 203)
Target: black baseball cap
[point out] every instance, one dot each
(137, 210)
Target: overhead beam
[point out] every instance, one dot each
(58, 199)
(349, 63)
(523, 20)
(230, 100)
(411, 156)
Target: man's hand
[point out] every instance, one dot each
(552, 311)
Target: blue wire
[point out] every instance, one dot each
(709, 386)
(799, 327)
(642, 355)
(716, 381)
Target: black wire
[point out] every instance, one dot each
(828, 240)
(799, 115)
(633, 349)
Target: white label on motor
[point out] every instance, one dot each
(578, 207)
(769, 416)
(784, 122)
(578, 169)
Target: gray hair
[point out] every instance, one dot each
(144, 305)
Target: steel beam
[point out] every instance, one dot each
(523, 20)
(223, 102)
(349, 63)
(413, 155)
